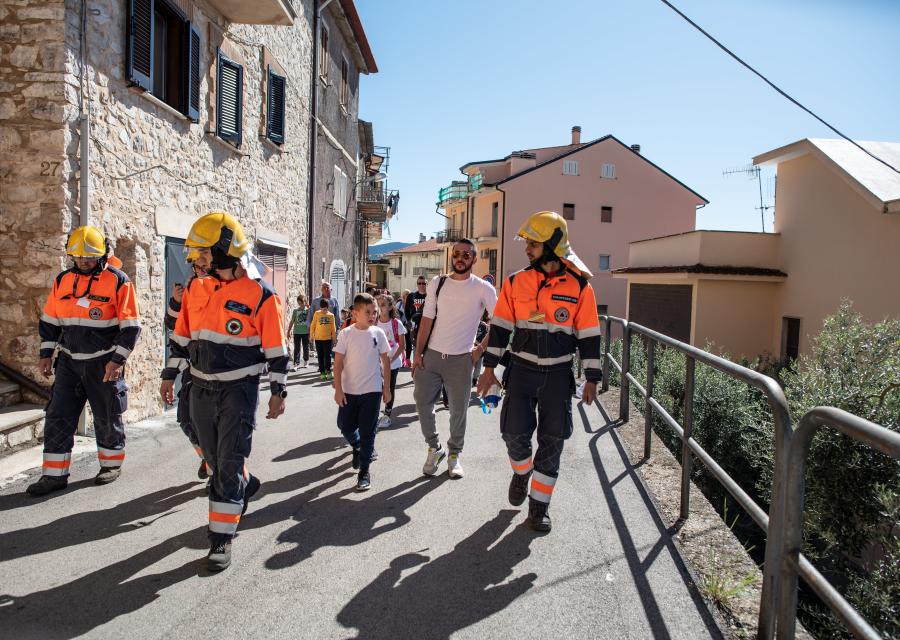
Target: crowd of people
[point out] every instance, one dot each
(227, 331)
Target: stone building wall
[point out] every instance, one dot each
(151, 169)
(333, 237)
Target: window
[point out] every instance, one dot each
(164, 54)
(341, 192)
(568, 211)
(323, 53)
(345, 82)
(492, 262)
(605, 214)
(602, 309)
(570, 168)
(608, 171)
(604, 262)
(229, 100)
(790, 339)
(275, 108)
(494, 214)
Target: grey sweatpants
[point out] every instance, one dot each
(454, 373)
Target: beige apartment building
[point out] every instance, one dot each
(425, 258)
(836, 235)
(608, 192)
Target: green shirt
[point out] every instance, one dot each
(299, 320)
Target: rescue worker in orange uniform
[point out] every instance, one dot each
(550, 310)
(91, 323)
(229, 340)
(200, 293)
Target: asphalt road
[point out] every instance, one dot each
(416, 557)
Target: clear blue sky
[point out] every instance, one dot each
(476, 79)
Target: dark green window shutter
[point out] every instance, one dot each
(275, 115)
(193, 73)
(140, 43)
(229, 100)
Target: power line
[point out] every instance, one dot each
(772, 84)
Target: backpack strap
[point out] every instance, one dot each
(437, 295)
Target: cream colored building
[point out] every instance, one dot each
(837, 235)
(426, 258)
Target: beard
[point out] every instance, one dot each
(463, 270)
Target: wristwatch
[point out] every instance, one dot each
(278, 390)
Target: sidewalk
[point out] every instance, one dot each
(416, 557)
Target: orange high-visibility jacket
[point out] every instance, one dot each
(551, 316)
(233, 334)
(90, 316)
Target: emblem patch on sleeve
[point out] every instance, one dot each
(234, 326)
(561, 314)
(95, 313)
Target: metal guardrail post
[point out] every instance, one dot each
(686, 460)
(792, 563)
(606, 344)
(648, 409)
(624, 384)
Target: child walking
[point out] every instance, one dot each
(301, 331)
(389, 322)
(362, 379)
(324, 333)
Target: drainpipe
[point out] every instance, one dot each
(502, 237)
(313, 136)
(84, 170)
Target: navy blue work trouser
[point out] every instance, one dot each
(183, 413)
(224, 416)
(537, 398)
(358, 420)
(77, 382)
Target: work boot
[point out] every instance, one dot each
(107, 475)
(253, 485)
(538, 518)
(202, 473)
(518, 488)
(219, 557)
(46, 484)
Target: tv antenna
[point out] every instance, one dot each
(752, 171)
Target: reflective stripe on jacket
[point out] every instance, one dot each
(90, 316)
(229, 330)
(551, 316)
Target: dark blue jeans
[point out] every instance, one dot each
(357, 421)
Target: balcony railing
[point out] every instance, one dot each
(458, 190)
(448, 235)
(375, 203)
(476, 182)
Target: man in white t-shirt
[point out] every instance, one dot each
(445, 355)
(362, 373)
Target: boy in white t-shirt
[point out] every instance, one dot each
(362, 373)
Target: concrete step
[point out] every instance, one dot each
(20, 425)
(10, 393)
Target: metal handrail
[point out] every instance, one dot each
(794, 563)
(778, 602)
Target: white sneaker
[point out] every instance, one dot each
(454, 468)
(435, 457)
(384, 422)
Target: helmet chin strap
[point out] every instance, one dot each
(545, 257)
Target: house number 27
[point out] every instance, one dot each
(48, 168)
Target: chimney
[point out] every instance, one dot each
(636, 148)
(576, 135)
(421, 237)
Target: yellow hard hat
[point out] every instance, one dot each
(221, 231)
(86, 242)
(550, 228)
(192, 255)
(547, 227)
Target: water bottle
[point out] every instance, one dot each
(491, 399)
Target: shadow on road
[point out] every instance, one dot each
(337, 521)
(74, 608)
(314, 448)
(89, 526)
(640, 568)
(20, 499)
(448, 593)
